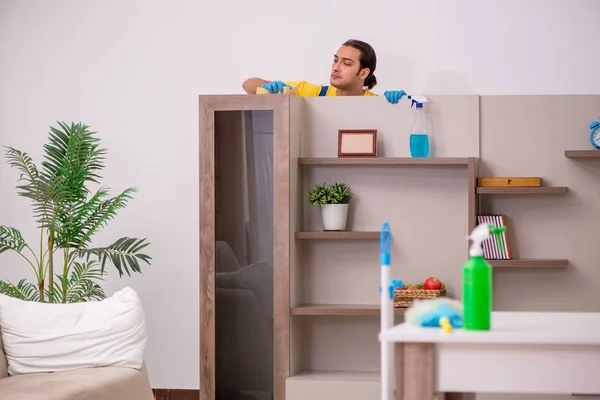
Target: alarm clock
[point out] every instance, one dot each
(595, 134)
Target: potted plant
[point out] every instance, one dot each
(334, 201)
(68, 213)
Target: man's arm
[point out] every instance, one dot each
(250, 85)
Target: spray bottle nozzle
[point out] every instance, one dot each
(483, 232)
(418, 100)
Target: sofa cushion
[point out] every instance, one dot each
(114, 383)
(46, 337)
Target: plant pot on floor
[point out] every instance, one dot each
(334, 216)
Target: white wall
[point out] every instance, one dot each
(133, 70)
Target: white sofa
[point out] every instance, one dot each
(106, 383)
(79, 351)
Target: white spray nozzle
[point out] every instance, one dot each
(419, 100)
(481, 233)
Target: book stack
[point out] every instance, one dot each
(491, 249)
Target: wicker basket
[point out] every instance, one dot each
(405, 297)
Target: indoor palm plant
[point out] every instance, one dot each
(68, 214)
(334, 201)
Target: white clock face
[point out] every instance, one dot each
(596, 135)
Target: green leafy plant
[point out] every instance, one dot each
(68, 214)
(323, 193)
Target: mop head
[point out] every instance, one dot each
(439, 312)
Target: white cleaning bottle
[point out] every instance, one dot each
(419, 135)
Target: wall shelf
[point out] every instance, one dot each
(342, 384)
(529, 263)
(522, 190)
(338, 235)
(341, 309)
(582, 153)
(445, 161)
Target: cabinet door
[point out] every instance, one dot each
(244, 255)
(244, 247)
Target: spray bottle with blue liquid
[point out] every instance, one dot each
(419, 135)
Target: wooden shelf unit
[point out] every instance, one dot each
(291, 235)
(530, 263)
(472, 166)
(524, 190)
(341, 309)
(582, 153)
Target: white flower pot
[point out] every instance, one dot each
(334, 216)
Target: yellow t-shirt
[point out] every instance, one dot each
(310, 89)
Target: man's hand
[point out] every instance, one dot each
(275, 86)
(393, 96)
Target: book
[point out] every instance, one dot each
(491, 250)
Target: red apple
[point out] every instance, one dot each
(432, 283)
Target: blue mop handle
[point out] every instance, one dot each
(385, 244)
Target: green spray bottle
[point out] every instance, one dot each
(477, 280)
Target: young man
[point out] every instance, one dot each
(352, 74)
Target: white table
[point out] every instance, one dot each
(525, 352)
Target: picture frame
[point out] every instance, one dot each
(357, 143)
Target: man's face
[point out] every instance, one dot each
(345, 69)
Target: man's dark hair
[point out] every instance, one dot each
(367, 59)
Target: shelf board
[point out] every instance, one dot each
(383, 161)
(341, 309)
(530, 263)
(323, 385)
(338, 235)
(522, 190)
(582, 153)
(345, 376)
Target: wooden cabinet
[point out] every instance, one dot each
(255, 341)
(321, 336)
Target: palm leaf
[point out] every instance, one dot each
(23, 162)
(48, 196)
(124, 254)
(23, 290)
(73, 153)
(50, 201)
(91, 216)
(11, 239)
(54, 295)
(71, 158)
(71, 235)
(35, 187)
(80, 285)
(89, 291)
